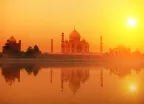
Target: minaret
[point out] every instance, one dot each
(62, 42)
(51, 75)
(101, 45)
(18, 75)
(74, 28)
(51, 45)
(62, 81)
(19, 45)
(101, 77)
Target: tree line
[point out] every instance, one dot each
(30, 52)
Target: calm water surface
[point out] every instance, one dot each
(79, 84)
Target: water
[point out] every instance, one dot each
(71, 84)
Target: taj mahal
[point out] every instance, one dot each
(74, 44)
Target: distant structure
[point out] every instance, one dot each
(101, 78)
(121, 71)
(33, 69)
(74, 77)
(11, 46)
(51, 45)
(101, 45)
(120, 51)
(11, 73)
(51, 75)
(74, 44)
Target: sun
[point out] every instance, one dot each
(131, 22)
(132, 87)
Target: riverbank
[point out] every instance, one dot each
(40, 60)
(99, 60)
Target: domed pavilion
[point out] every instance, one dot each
(74, 44)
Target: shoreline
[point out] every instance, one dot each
(49, 63)
(48, 60)
(69, 60)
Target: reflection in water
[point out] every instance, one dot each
(51, 75)
(101, 77)
(120, 71)
(133, 87)
(32, 69)
(74, 77)
(10, 73)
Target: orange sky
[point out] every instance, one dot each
(36, 21)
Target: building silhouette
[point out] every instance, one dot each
(32, 69)
(74, 44)
(120, 71)
(101, 45)
(11, 73)
(75, 77)
(51, 45)
(120, 51)
(11, 46)
(101, 77)
(51, 75)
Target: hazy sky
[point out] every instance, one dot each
(37, 21)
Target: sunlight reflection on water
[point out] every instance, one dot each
(72, 84)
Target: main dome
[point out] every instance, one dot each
(74, 35)
(12, 39)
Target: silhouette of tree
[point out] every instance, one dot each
(29, 51)
(7, 48)
(10, 50)
(33, 52)
(29, 69)
(32, 69)
(36, 50)
(0, 54)
(36, 71)
(23, 54)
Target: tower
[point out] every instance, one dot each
(62, 81)
(51, 75)
(101, 78)
(19, 45)
(62, 42)
(101, 45)
(51, 45)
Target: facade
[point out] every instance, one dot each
(11, 46)
(74, 44)
(74, 77)
(120, 51)
(11, 73)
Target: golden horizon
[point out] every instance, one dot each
(36, 22)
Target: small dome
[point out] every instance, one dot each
(12, 39)
(83, 41)
(74, 35)
(74, 84)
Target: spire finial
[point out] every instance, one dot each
(74, 27)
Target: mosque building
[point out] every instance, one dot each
(74, 44)
(11, 46)
(120, 50)
(11, 75)
(74, 77)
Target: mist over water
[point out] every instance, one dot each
(71, 83)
